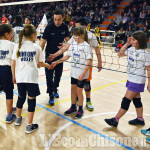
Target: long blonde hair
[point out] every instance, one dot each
(26, 32)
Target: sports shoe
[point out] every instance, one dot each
(70, 111)
(79, 114)
(56, 94)
(112, 122)
(136, 122)
(51, 100)
(14, 110)
(18, 121)
(31, 128)
(10, 119)
(146, 131)
(89, 106)
(148, 139)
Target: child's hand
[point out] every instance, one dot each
(14, 80)
(81, 77)
(51, 57)
(148, 87)
(53, 65)
(38, 65)
(99, 66)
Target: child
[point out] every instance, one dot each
(138, 60)
(17, 26)
(6, 51)
(25, 58)
(81, 54)
(120, 44)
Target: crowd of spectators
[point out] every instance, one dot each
(134, 17)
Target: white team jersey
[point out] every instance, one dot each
(79, 54)
(91, 37)
(17, 30)
(26, 70)
(137, 60)
(6, 51)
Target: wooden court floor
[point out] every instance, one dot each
(58, 132)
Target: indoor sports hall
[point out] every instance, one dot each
(59, 132)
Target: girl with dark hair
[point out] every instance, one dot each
(17, 26)
(138, 63)
(6, 51)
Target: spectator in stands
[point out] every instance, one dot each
(120, 35)
(112, 26)
(27, 21)
(118, 18)
(131, 17)
(132, 25)
(142, 16)
(4, 19)
(129, 32)
(124, 22)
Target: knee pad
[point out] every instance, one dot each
(125, 103)
(31, 105)
(137, 102)
(9, 94)
(20, 101)
(87, 86)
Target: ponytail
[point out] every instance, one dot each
(20, 41)
(26, 32)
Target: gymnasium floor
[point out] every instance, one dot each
(57, 131)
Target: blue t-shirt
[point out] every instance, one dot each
(54, 36)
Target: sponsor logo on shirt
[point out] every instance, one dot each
(3, 53)
(130, 58)
(27, 56)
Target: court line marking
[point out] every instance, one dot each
(48, 106)
(54, 135)
(78, 123)
(81, 124)
(87, 128)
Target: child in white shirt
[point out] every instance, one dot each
(138, 63)
(25, 58)
(81, 60)
(6, 51)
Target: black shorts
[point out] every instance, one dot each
(79, 84)
(32, 89)
(6, 83)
